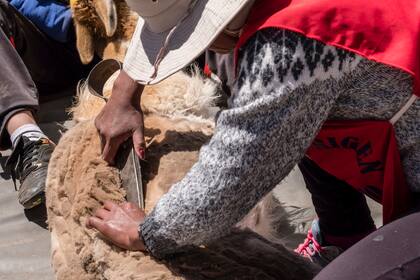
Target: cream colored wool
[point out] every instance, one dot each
(178, 96)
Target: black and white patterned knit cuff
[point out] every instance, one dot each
(158, 246)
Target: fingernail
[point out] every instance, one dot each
(142, 154)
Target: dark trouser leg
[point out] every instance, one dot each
(17, 90)
(344, 216)
(51, 64)
(35, 60)
(392, 252)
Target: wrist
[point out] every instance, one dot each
(126, 91)
(140, 235)
(136, 240)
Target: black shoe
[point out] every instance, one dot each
(29, 164)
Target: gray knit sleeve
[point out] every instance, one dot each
(272, 120)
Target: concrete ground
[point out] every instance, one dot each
(25, 244)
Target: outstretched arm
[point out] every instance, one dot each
(256, 143)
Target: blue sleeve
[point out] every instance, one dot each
(51, 17)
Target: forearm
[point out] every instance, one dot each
(255, 145)
(247, 156)
(252, 150)
(221, 188)
(128, 91)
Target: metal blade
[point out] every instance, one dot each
(132, 180)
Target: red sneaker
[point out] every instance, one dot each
(312, 247)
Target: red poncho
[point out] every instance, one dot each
(362, 153)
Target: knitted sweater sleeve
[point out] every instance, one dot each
(255, 145)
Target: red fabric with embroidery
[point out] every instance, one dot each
(387, 31)
(362, 153)
(365, 155)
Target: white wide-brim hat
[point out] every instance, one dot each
(170, 34)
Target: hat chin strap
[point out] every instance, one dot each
(162, 52)
(404, 109)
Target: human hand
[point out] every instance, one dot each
(119, 224)
(122, 118)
